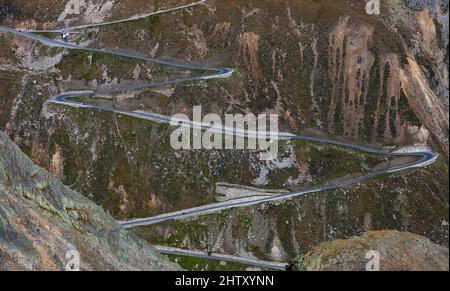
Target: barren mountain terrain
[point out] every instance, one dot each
(326, 68)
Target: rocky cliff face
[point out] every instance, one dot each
(398, 251)
(42, 221)
(326, 67)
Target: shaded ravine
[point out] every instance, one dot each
(426, 158)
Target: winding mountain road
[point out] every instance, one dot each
(424, 158)
(221, 257)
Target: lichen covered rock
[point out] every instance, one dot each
(399, 251)
(42, 221)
